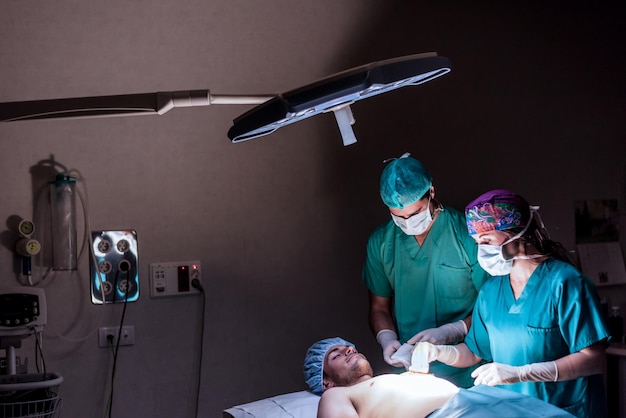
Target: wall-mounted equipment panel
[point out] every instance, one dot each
(174, 279)
(114, 272)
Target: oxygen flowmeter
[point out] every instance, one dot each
(26, 228)
(26, 246)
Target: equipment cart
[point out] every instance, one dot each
(30, 395)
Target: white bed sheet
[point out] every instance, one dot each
(479, 401)
(302, 404)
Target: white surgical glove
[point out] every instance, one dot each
(493, 374)
(420, 359)
(403, 355)
(388, 340)
(447, 354)
(445, 334)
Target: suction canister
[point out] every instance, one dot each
(63, 214)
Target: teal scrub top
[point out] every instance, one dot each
(430, 285)
(558, 313)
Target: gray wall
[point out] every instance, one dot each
(535, 103)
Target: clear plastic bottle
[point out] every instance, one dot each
(63, 208)
(616, 325)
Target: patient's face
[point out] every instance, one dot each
(344, 366)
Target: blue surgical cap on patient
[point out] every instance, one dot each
(314, 362)
(404, 181)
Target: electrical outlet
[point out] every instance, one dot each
(107, 336)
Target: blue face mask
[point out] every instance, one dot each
(416, 224)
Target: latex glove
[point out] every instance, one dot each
(493, 374)
(420, 359)
(447, 354)
(388, 340)
(403, 355)
(445, 334)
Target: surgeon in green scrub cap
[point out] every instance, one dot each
(421, 269)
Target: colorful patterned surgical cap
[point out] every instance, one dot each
(404, 181)
(314, 362)
(497, 210)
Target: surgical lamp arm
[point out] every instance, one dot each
(335, 93)
(118, 105)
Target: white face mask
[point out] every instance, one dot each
(416, 224)
(493, 262)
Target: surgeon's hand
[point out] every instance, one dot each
(447, 354)
(445, 334)
(388, 340)
(493, 374)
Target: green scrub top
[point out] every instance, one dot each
(558, 313)
(431, 285)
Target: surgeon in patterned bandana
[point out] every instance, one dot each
(538, 322)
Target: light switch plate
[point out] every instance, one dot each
(174, 278)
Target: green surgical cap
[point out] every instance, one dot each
(403, 182)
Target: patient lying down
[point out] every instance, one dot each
(405, 395)
(334, 369)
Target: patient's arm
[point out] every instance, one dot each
(336, 403)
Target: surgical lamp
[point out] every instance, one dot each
(335, 93)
